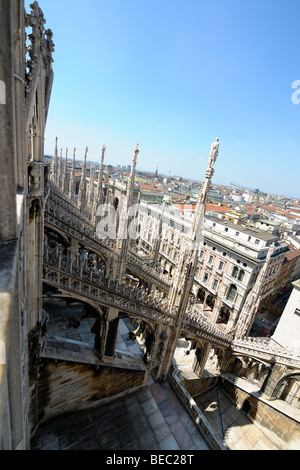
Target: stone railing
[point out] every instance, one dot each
(70, 275)
(266, 349)
(198, 325)
(63, 213)
(205, 428)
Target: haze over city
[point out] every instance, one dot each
(173, 76)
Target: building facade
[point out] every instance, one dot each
(76, 262)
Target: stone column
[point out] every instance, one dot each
(8, 224)
(201, 356)
(216, 310)
(19, 78)
(110, 334)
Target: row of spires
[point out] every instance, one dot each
(88, 195)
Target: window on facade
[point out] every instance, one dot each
(235, 271)
(221, 265)
(201, 254)
(211, 259)
(226, 229)
(237, 234)
(197, 272)
(241, 275)
(257, 241)
(215, 284)
(205, 277)
(231, 293)
(169, 251)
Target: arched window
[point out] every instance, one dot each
(231, 293)
(235, 271)
(241, 275)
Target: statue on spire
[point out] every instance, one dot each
(214, 152)
(136, 152)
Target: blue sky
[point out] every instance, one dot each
(174, 75)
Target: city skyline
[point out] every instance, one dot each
(174, 77)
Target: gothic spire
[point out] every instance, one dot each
(157, 240)
(55, 163)
(122, 232)
(189, 255)
(60, 170)
(72, 185)
(98, 199)
(90, 195)
(122, 236)
(252, 302)
(82, 186)
(185, 270)
(65, 180)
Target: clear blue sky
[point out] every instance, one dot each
(174, 75)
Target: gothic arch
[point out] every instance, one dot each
(145, 333)
(224, 315)
(288, 389)
(88, 320)
(59, 233)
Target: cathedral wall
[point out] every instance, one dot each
(197, 386)
(265, 415)
(67, 387)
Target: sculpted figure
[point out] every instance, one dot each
(214, 152)
(34, 178)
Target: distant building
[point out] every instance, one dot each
(287, 332)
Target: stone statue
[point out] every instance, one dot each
(34, 178)
(214, 152)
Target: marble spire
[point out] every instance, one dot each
(187, 264)
(60, 170)
(82, 187)
(98, 199)
(55, 163)
(72, 184)
(122, 235)
(252, 301)
(189, 255)
(65, 178)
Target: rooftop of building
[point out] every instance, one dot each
(251, 231)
